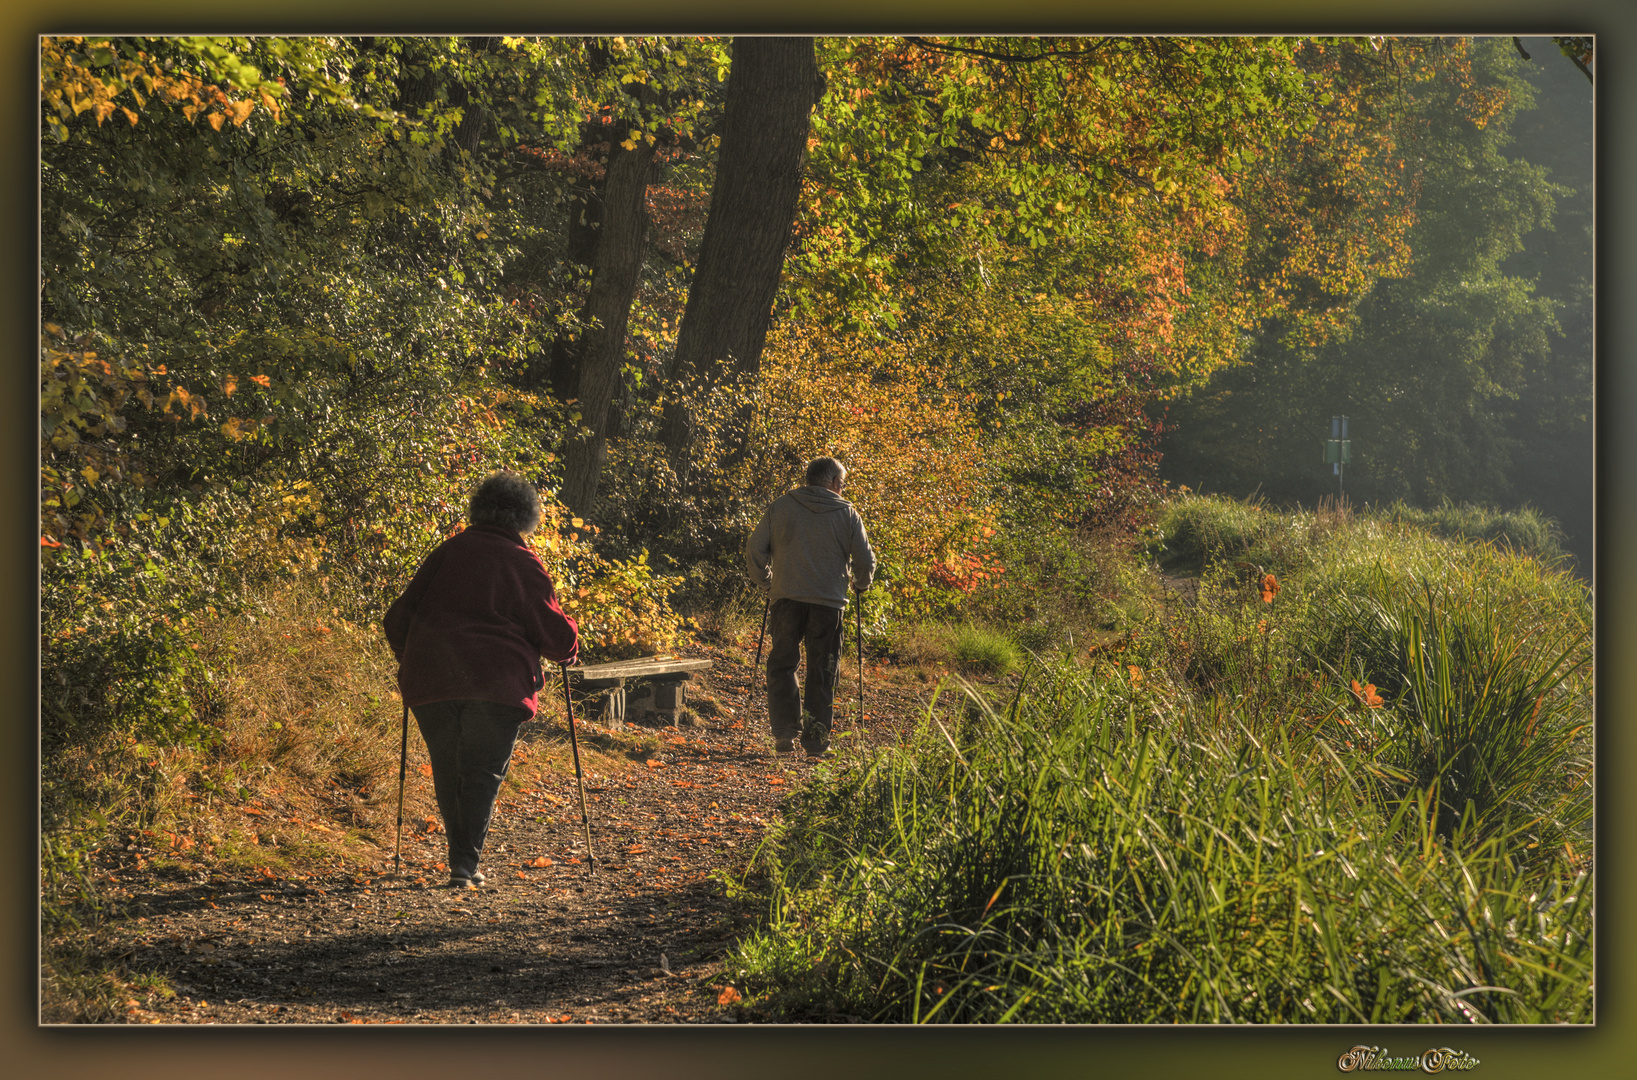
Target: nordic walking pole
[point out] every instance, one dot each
(403, 766)
(756, 666)
(579, 778)
(768, 602)
(858, 597)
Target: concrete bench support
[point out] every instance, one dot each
(649, 691)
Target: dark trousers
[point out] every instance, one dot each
(470, 743)
(794, 625)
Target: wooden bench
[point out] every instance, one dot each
(657, 701)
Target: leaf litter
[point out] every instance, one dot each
(640, 939)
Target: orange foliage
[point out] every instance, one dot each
(915, 465)
(1367, 695)
(1270, 588)
(72, 82)
(86, 404)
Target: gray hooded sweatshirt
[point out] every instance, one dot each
(806, 539)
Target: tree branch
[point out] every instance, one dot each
(1009, 58)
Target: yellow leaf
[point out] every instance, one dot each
(230, 383)
(628, 144)
(214, 120)
(578, 523)
(90, 474)
(129, 115)
(241, 111)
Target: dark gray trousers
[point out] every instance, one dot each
(470, 743)
(795, 625)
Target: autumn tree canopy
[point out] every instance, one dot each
(312, 286)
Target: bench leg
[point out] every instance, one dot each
(613, 710)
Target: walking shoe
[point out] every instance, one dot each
(467, 881)
(783, 746)
(821, 754)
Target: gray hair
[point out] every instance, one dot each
(505, 500)
(825, 469)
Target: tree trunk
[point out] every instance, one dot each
(770, 95)
(562, 367)
(615, 271)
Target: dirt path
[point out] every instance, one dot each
(641, 940)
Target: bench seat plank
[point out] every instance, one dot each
(647, 666)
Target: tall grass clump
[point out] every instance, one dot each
(972, 647)
(1199, 530)
(1482, 658)
(984, 649)
(1525, 530)
(1098, 853)
(1486, 711)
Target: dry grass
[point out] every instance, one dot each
(923, 645)
(305, 767)
(301, 773)
(736, 621)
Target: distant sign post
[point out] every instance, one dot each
(1338, 450)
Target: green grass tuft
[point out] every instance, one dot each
(983, 649)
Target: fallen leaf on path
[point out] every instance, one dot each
(655, 763)
(426, 770)
(542, 861)
(728, 996)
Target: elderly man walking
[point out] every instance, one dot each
(800, 552)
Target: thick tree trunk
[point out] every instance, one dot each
(562, 369)
(770, 96)
(615, 271)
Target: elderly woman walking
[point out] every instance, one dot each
(469, 634)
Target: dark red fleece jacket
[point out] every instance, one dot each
(475, 621)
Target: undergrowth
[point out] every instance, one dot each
(292, 766)
(1349, 783)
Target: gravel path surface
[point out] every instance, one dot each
(639, 940)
